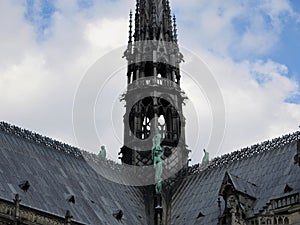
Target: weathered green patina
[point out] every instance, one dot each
(205, 159)
(102, 152)
(157, 153)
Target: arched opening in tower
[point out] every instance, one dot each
(142, 117)
(148, 69)
(162, 70)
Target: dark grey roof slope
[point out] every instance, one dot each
(271, 170)
(57, 172)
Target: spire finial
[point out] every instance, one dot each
(137, 21)
(130, 27)
(153, 18)
(169, 19)
(175, 29)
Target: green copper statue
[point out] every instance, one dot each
(205, 159)
(102, 152)
(157, 153)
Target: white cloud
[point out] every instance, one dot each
(16, 35)
(236, 28)
(278, 11)
(21, 82)
(255, 110)
(107, 33)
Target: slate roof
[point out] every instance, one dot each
(57, 171)
(270, 167)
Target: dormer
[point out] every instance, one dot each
(239, 196)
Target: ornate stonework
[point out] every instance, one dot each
(13, 214)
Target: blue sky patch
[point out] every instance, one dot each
(295, 99)
(261, 79)
(85, 4)
(286, 51)
(39, 14)
(241, 25)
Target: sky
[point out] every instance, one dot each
(250, 47)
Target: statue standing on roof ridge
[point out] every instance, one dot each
(102, 152)
(205, 159)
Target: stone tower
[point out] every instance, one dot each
(154, 98)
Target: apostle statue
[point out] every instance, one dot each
(102, 152)
(205, 159)
(157, 153)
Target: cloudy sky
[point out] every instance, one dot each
(252, 49)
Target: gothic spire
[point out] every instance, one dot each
(150, 16)
(155, 39)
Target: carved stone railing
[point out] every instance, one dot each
(32, 217)
(285, 201)
(153, 82)
(6, 209)
(9, 212)
(270, 220)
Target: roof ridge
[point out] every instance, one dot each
(248, 152)
(51, 143)
(40, 139)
